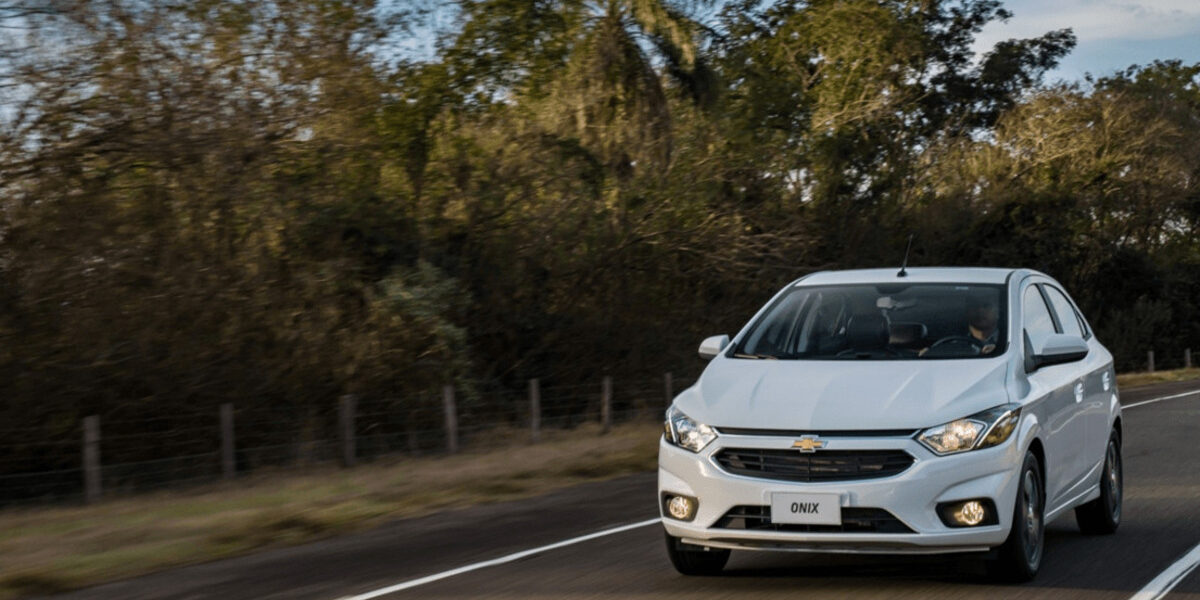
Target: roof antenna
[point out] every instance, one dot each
(904, 265)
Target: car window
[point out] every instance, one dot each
(1083, 326)
(1038, 323)
(1064, 310)
(886, 321)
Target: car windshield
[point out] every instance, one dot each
(880, 322)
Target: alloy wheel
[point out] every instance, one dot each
(1033, 518)
(1113, 478)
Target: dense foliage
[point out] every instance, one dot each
(212, 200)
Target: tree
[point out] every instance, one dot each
(851, 92)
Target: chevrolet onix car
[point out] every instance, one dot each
(938, 410)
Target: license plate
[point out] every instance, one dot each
(806, 509)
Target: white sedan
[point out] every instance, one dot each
(933, 410)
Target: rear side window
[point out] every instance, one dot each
(1065, 311)
(1037, 320)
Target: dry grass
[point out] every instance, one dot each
(46, 550)
(1137, 379)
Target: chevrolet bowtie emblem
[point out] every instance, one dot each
(808, 443)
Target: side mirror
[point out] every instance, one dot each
(713, 346)
(1059, 348)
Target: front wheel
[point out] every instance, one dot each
(1103, 515)
(1020, 557)
(695, 560)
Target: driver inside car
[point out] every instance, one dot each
(983, 316)
(983, 319)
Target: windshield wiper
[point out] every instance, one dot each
(755, 356)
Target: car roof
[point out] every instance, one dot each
(914, 275)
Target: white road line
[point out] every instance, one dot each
(412, 583)
(1153, 400)
(1168, 579)
(1160, 586)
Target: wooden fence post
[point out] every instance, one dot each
(228, 465)
(346, 408)
(668, 388)
(91, 458)
(451, 419)
(1150, 361)
(535, 409)
(606, 404)
(1187, 358)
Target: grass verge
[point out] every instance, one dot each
(1138, 379)
(49, 550)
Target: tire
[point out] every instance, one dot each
(1102, 516)
(1020, 557)
(695, 560)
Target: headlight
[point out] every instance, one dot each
(682, 431)
(984, 430)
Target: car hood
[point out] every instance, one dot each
(843, 395)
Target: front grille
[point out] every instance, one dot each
(824, 465)
(854, 520)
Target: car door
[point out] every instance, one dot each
(1054, 386)
(1090, 392)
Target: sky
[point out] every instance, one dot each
(1112, 34)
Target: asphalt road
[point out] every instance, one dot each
(1161, 524)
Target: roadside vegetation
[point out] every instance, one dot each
(53, 549)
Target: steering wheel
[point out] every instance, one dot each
(959, 339)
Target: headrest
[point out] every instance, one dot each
(867, 332)
(907, 334)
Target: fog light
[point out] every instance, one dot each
(681, 508)
(970, 513)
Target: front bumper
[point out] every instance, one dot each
(911, 496)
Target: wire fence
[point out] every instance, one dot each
(120, 454)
